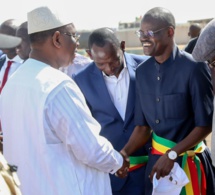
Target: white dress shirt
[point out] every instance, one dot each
(79, 63)
(118, 89)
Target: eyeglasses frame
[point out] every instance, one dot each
(150, 33)
(75, 36)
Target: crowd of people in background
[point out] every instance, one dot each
(110, 122)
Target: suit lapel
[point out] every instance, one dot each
(101, 88)
(2, 60)
(131, 65)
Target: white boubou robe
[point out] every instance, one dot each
(78, 165)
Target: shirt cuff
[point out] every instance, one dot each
(119, 162)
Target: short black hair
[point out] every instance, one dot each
(162, 15)
(101, 36)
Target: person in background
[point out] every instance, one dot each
(9, 62)
(53, 138)
(194, 31)
(108, 85)
(7, 42)
(23, 50)
(205, 51)
(175, 100)
(79, 63)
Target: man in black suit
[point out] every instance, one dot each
(194, 32)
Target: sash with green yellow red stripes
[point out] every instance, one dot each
(191, 164)
(137, 162)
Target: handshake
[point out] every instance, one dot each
(123, 171)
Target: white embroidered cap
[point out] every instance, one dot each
(7, 41)
(45, 18)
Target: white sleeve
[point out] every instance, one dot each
(68, 117)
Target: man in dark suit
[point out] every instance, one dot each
(174, 98)
(194, 32)
(108, 85)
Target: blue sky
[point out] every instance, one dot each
(91, 14)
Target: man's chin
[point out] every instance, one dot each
(146, 52)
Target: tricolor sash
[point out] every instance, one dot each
(137, 162)
(191, 164)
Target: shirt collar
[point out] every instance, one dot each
(168, 62)
(15, 59)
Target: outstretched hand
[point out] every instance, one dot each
(123, 171)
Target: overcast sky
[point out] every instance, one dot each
(91, 14)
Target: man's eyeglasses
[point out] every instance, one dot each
(75, 36)
(148, 33)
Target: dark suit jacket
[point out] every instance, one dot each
(117, 131)
(2, 60)
(190, 46)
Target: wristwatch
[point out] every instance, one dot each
(172, 155)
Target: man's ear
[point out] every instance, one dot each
(171, 31)
(89, 53)
(56, 39)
